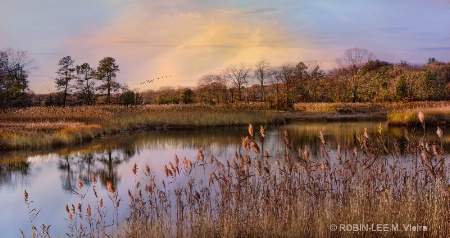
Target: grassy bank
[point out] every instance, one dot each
(434, 116)
(45, 127)
(49, 127)
(289, 194)
(396, 114)
(349, 108)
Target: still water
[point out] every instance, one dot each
(50, 177)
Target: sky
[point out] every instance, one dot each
(185, 40)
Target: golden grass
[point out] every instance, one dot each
(367, 107)
(434, 116)
(45, 127)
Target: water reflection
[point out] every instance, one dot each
(111, 159)
(102, 158)
(101, 164)
(12, 170)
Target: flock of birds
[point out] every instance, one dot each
(149, 81)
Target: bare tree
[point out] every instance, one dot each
(287, 74)
(262, 73)
(355, 58)
(276, 80)
(351, 63)
(238, 76)
(212, 89)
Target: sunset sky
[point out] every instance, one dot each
(187, 39)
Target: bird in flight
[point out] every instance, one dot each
(149, 81)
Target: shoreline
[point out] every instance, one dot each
(334, 116)
(34, 129)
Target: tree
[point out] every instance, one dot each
(262, 73)
(415, 83)
(431, 60)
(187, 96)
(286, 74)
(401, 89)
(65, 75)
(106, 72)
(351, 63)
(298, 82)
(168, 95)
(313, 77)
(211, 89)
(130, 98)
(376, 77)
(85, 83)
(238, 76)
(15, 67)
(436, 76)
(276, 79)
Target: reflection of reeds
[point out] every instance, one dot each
(303, 197)
(299, 197)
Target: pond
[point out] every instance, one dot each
(50, 178)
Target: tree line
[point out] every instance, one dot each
(358, 77)
(80, 80)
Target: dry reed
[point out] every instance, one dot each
(290, 194)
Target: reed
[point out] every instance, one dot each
(288, 193)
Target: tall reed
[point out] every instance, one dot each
(289, 193)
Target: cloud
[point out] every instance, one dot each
(152, 40)
(189, 38)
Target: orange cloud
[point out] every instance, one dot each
(149, 42)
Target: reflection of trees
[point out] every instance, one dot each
(102, 163)
(86, 168)
(103, 157)
(67, 175)
(10, 169)
(109, 172)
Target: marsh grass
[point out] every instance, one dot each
(47, 127)
(397, 114)
(435, 116)
(367, 107)
(289, 193)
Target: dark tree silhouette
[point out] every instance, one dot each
(15, 67)
(107, 73)
(65, 75)
(85, 83)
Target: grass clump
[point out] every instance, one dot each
(439, 116)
